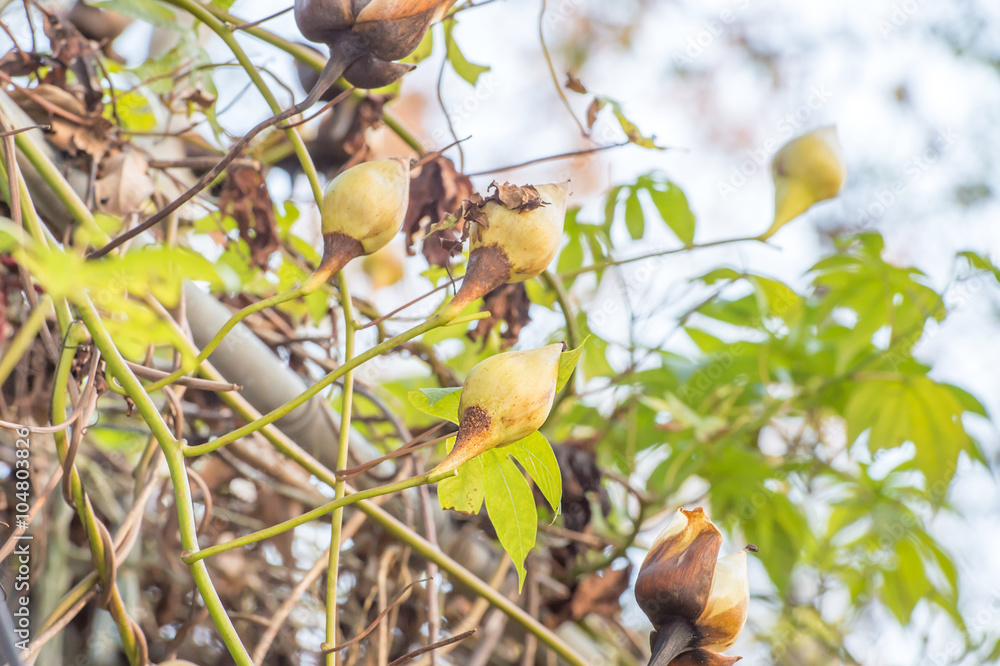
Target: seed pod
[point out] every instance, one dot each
(806, 170)
(505, 398)
(695, 601)
(363, 208)
(513, 245)
(365, 36)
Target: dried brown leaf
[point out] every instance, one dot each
(519, 198)
(592, 111)
(436, 192)
(245, 198)
(575, 84)
(125, 184)
(509, 304)
(599, 593)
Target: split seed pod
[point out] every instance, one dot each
(806, 170)
(696, 602)
(513, 245)
(505, 398)
(363, 208)
(366, 36)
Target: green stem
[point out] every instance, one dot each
(320, 511)
(343, 444)
(23, 339)
(315, 60)
(171, 448)
(292, 451)
(63, 191)
(572, 332)
(448, 317)
(659, 253)
(178, 475)
(202, 13)
(304, 289)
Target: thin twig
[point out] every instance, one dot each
(552, 72)
(550, 158)
(433, 646)
(191, 382)
(396, 599)
(24, 129)
(251, 24)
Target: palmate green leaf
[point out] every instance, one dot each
(467, 70)
(463, 493)
(538, 459)
(511, 507)
(911, 409)
(907, 584)
(439, 402)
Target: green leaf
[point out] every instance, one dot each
(144, 10)
(980, 262)
(631, 130)
(911, 409)
(610, 205)
(511, 508)
(537, 457)
(465, 492)
(439, 402)
(571, 256)
(674, 211)
(567, 363)
(907, 584)
(634, 221)
(467, 70)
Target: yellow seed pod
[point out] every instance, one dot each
(529, 239)
(505, 398)
(806, 170)
(368, 202)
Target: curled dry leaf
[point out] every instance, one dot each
(125, 184)
(575, 84)
(592, 111)
(436, 191)
(245, 198)
(521, 198)
(509, 304)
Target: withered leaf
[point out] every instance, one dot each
(599, 593)
(245, 198)
(436, 192)
(509, 304)
(125, 184)
(20, 63)
(575, 84)
(519, 198)
(592, 111)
